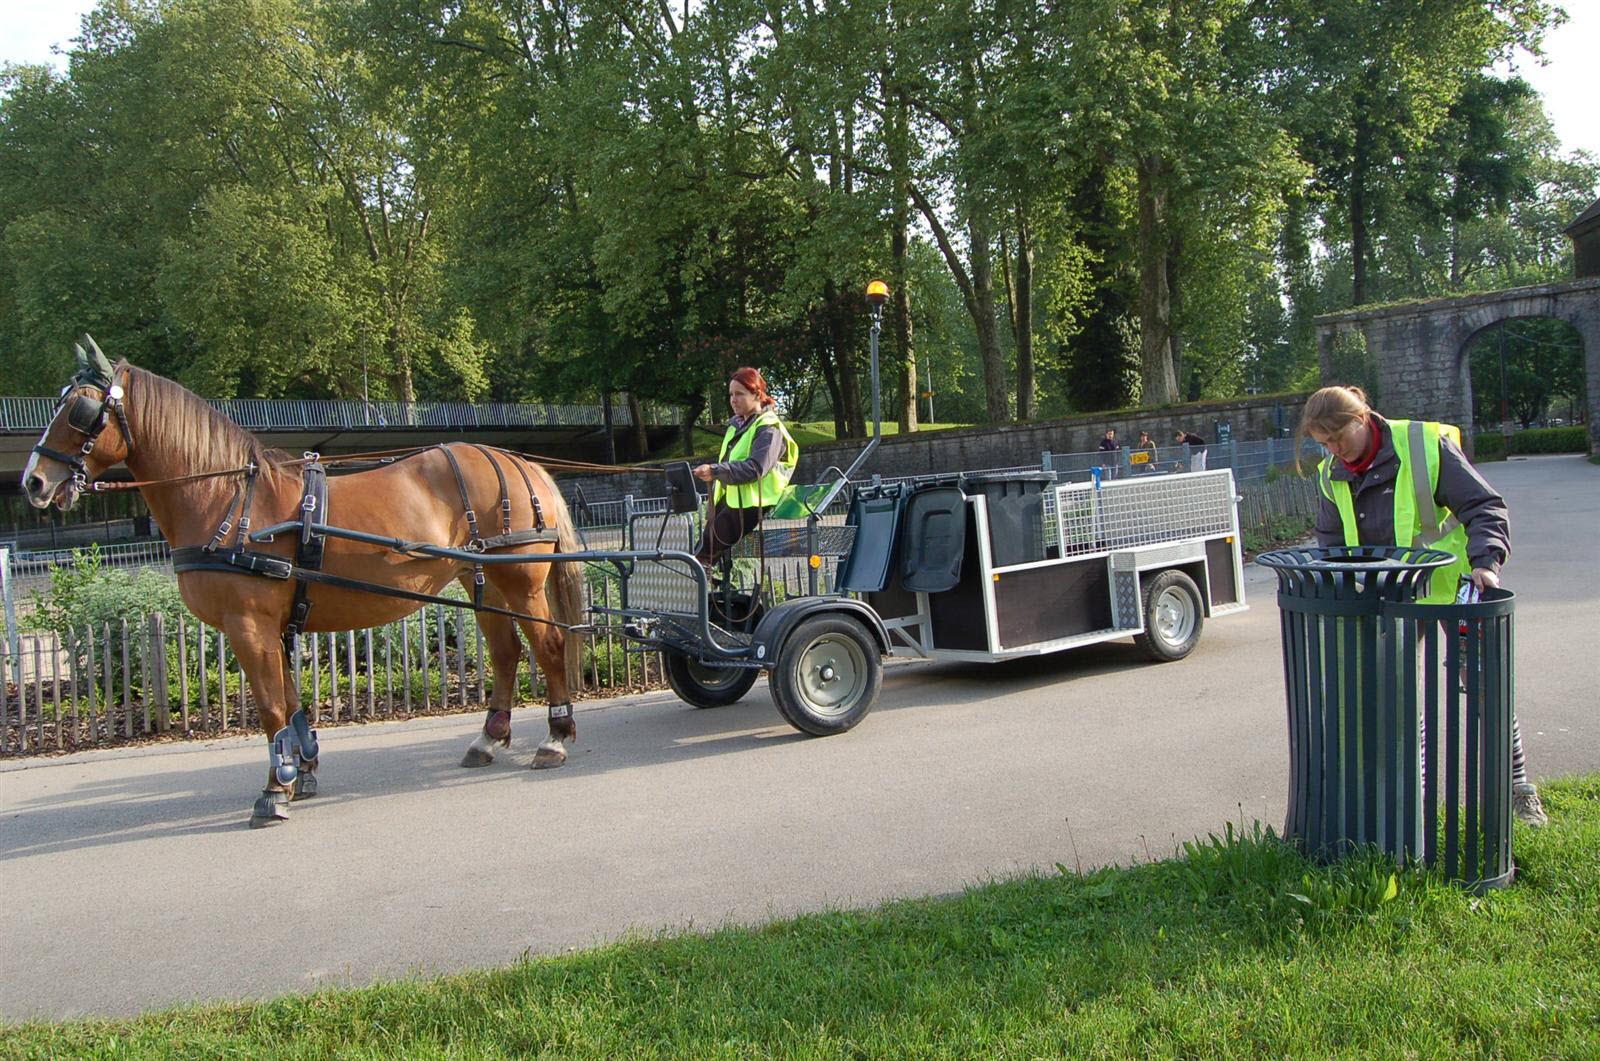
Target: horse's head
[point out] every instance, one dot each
(76, 445)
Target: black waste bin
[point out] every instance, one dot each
(1015, 502)
(1399, 713)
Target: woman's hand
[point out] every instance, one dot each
(703, 473)
(1484, 579)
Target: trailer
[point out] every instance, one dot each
(961, 567)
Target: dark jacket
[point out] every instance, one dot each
(1461, 490)
(1109, 444)
(1191, 439)
(765, 449)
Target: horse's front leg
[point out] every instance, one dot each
(260, 654)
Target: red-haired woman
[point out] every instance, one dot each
(752, 471)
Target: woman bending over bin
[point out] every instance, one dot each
(1367, 491)
(752, 471)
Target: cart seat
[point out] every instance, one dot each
(875, 517)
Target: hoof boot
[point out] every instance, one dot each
(476, 757)
(548, 757)
(305, 786)
(270, 809)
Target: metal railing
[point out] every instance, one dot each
(27, 415)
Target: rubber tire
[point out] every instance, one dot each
(703, 686)
(1181, 591)
(842, 638)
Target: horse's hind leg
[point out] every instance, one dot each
(504, 653)
(523, 586)
(549, 645)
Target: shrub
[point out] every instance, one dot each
(86, 593)
(1534, 440)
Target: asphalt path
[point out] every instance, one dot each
(129, 881)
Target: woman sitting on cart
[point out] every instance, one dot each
(752, 470)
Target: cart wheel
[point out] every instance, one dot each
(828, 675)
(703, 686)
(1173, 615)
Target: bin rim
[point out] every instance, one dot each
(1355, 559)
(1495, 603)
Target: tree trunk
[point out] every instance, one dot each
(841, 338)
(1022, 319)
(1186, 387)
(997, 405)
(1358, 211)
(1159, 385)
(640, 433)
(904, 352)
(691, 413)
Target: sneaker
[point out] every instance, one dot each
(1526, 806)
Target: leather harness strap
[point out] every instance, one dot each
(306, 567)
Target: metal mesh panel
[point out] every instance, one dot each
(1080, 518)
(669, 586)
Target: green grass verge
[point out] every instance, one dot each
(1235, 947)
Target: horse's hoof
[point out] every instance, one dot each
(270, 809)
(549, 756)
(305, 785)
(476, 757)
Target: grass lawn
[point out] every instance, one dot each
(1235, 947)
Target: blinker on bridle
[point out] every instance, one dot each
(86, 415)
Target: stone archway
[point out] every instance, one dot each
(1416, 352)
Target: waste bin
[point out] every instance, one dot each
(1015, 502)
(1399, 713)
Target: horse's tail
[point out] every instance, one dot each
(566, 580)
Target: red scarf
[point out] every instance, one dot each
(1375, 437)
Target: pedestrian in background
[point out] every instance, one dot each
(1197, 449)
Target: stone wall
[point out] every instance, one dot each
(1008, 445)
(1417, 351)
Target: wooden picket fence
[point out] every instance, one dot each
(148, 677)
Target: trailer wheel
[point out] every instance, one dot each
(1173, 616)
(704, 686)
(828, 674)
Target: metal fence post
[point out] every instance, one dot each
(13, 640)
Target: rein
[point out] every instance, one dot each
(103, 486)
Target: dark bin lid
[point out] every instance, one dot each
(970, 483)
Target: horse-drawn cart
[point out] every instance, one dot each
(974, 568)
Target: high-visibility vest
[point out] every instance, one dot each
(769, 488)
(1418, 520)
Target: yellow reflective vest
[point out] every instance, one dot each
(766, 490)
(1418, 520)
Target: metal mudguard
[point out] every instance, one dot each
(780, 620)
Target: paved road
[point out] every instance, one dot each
(128, 879)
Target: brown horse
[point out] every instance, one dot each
(168, 437)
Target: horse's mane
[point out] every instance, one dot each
(182, 423)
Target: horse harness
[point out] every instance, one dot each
(306, 567)
(88, 417)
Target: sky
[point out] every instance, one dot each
(29, 29)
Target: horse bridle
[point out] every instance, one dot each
(87, 416)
